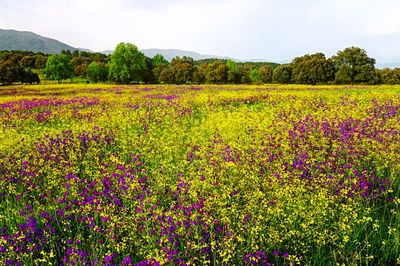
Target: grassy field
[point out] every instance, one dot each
(199, 175)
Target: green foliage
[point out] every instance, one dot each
(94, 72)
(158, 64)
(182, 69)
(312, 69)
(58, 68)
(167, 76)
(148, 74)
(11, 72)
(390, 76)
(217, 72)
(266, 73)
(354, 66)
(254, 76)
(233, 72)
(244, 71)
(159, 60)
(282, 74)
(199, 73)
(127, 64)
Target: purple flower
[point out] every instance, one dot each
(285, 254)
(109, 258)
(126, 261)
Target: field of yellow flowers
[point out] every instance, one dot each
(199, 175)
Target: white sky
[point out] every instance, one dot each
(275, 30)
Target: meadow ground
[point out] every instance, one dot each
(243, 175)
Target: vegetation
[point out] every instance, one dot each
(197, 175)
(312, 69)
(128, 65)
(354, 66)
(282, 74)
(58, 67)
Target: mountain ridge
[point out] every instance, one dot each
(29, 41)
(11, 39)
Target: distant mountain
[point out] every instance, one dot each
(387, 65)
(169, 54)
(107, 52)
(29, 41)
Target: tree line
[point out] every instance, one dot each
(17, 66)
(128, 65)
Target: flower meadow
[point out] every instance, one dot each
(210, 175)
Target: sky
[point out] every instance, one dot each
(275, 30)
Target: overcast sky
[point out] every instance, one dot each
(275, 30)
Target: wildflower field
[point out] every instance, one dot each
(210, 175)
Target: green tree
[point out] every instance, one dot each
(254, 76)
(40, 61)
(312, 69)
(159, 59)
(127, 64)
(282, 74)
(266, 73)
(10, 72)
(167, 76)
(199, 73)
(244, 73)
(233, 72)
(217, 72)
(182, 69)
(58, 67)
(390, 76)
(159, 63)
(94, 72)
(354, 66)
(148, 75)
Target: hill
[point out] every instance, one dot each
(29, 41)
(169, 54)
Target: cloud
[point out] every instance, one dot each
(270, 29)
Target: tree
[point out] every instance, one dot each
(127, 64)
(217, 72)
(159, 59)
(58, 68)
(148, 75)
(353, 66)
(10, 72)
(159, 63)
(312, 69)
(233, 72)
(266, 73)
(390, 76)
(244, 72)
(199, 73)
(282, 74)
(254, 76)
(167, 76)
(94, 72)
(182, 69)
(27, 61)
(40, 61)
(30, 77)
